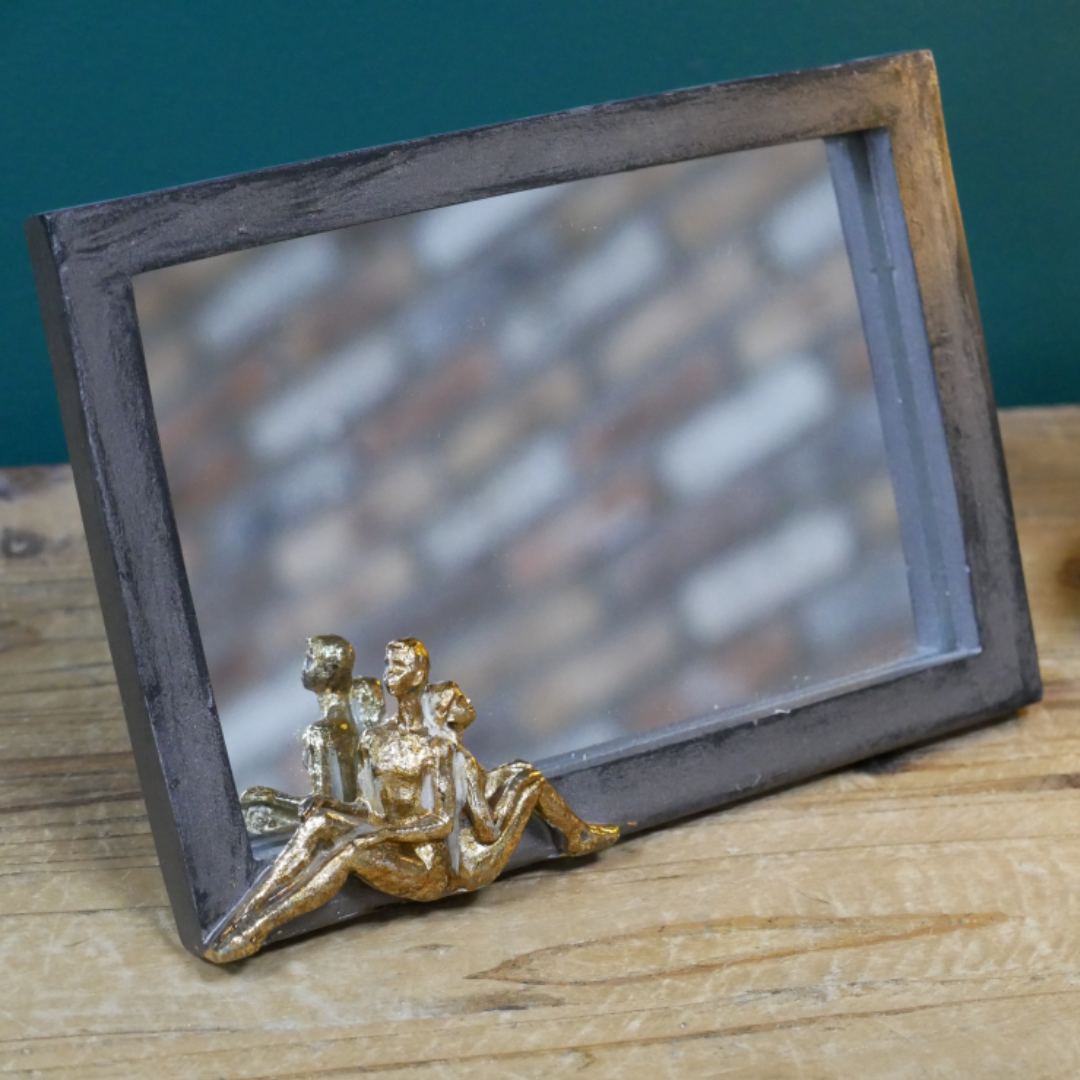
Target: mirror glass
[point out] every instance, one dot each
(609, 448)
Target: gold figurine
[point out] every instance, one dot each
(397, 801)
(330, 745)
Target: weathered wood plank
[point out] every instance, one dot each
(916, 916)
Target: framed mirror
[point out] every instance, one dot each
(666, 424)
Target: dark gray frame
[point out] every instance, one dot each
(885, 134)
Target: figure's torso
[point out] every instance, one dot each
(330, 755)
(405, 767)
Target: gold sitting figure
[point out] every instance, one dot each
(427, 820)
(330, 745)
(499, 803)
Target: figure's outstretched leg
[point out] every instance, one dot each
(526, 784)
(246, 936)
(286, 873)
(582, 837)
(392, 868)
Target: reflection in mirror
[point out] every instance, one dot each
(610, 448)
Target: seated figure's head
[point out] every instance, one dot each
(367, 701)
(328, 664)
(449, 708)
(407, 666)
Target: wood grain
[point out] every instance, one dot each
(914, 917)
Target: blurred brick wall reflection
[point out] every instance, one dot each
(611, 449)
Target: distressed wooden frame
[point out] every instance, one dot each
(883, 127)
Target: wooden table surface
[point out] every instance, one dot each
(916, 917)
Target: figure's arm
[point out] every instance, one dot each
(318, 745)
(483, 821)
(350, 814)
(267, 810)
(268, 796)
(346, 748)
(367, 789)
(496, 779)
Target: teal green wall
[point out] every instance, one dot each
(102, 99)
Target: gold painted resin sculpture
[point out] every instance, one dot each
(397, 801)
